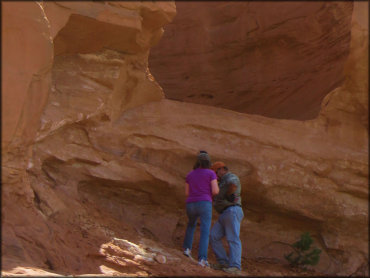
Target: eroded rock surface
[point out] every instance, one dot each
(95, 186)
(276, 59)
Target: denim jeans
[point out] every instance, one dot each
(202, 209)
(228, 224)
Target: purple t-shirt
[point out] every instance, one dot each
(199, 181)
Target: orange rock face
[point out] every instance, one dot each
(93, 177)
(26, 82)
(276, 59)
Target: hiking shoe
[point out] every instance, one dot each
(232, 270)
(218, 266)
(187, 252)
(203, 263)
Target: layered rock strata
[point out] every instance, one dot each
(100, 174)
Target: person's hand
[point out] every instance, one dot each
(231, 189)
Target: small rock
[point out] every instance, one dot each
(143, 258)
(160, 258)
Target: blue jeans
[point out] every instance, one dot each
(228, 224)
(202, 209)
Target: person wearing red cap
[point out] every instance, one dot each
(228, 204)
(201, 184)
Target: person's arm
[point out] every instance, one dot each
(230, 196)
(186, 189)
(215, 188)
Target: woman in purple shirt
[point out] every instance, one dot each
(201, 184)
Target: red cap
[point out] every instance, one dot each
(217, 165)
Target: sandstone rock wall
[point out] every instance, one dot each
(27, 78)
(81, 59)
(109, 160)
(27, 62)
(276, 59)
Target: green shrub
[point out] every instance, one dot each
(303, 254)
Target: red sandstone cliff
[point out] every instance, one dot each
(275, 59)
(94, 157)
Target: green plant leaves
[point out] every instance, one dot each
(302, 254)
(305, 242)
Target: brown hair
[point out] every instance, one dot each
(203, 161)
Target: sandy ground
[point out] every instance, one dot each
(184, 267)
